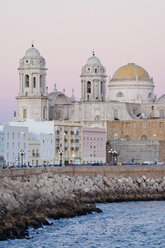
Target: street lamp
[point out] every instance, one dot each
(114, 155)
(111, 155)
(22, 153)
(61, 153)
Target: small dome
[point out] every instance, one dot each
(131, 71)
(32, 52)
(93, 61)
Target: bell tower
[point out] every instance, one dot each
(93, 80)
(33, 97)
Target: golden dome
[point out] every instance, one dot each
(131, 71)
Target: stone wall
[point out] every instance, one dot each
(138, 151)
(154, 171)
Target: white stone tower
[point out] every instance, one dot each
(32, 98)
(93, 80)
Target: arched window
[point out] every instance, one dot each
(88, 87)
(40, 81)
(34, 82)
(149, 95)
(27, 81)
(24, 113)
(116, 114)
(144, 137)
(127, 137)
(120, 94)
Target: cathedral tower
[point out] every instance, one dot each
(93, 80)
(32, 98)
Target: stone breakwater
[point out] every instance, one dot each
(29, 201)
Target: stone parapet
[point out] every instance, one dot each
(154, 171)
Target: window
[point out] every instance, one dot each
(144, 125)
(34, 82)
(95, 70)
(115, 113)
(88, 69)
(40, 81)
(13, 135)
(149, 95)
(24, 113)
(120, 94)
(26, 81)
(144, 137)
(88, 87)
(127, 137)
(44, 114)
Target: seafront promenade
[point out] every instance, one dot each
(154, 171)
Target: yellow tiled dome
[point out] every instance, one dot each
(131, 71)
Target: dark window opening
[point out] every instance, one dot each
(34, 82)
(88, 87)
(27, 81)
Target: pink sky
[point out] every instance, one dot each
(66, 31)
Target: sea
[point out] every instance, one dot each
(138, 224)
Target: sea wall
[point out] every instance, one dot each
(30, 200)
(154, 171)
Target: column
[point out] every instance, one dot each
(31, 84)
(38, 84)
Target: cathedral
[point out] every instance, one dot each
(128, 95)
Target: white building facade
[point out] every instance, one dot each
(15, 141)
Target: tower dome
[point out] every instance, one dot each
(32, 52)
(93, 60)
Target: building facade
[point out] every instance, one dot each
(68, 142)
(93, 145)
(15, 141)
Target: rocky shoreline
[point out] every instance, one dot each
(29, 201)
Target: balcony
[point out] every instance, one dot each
(57, 145)
(77, 139)
(35, 154)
